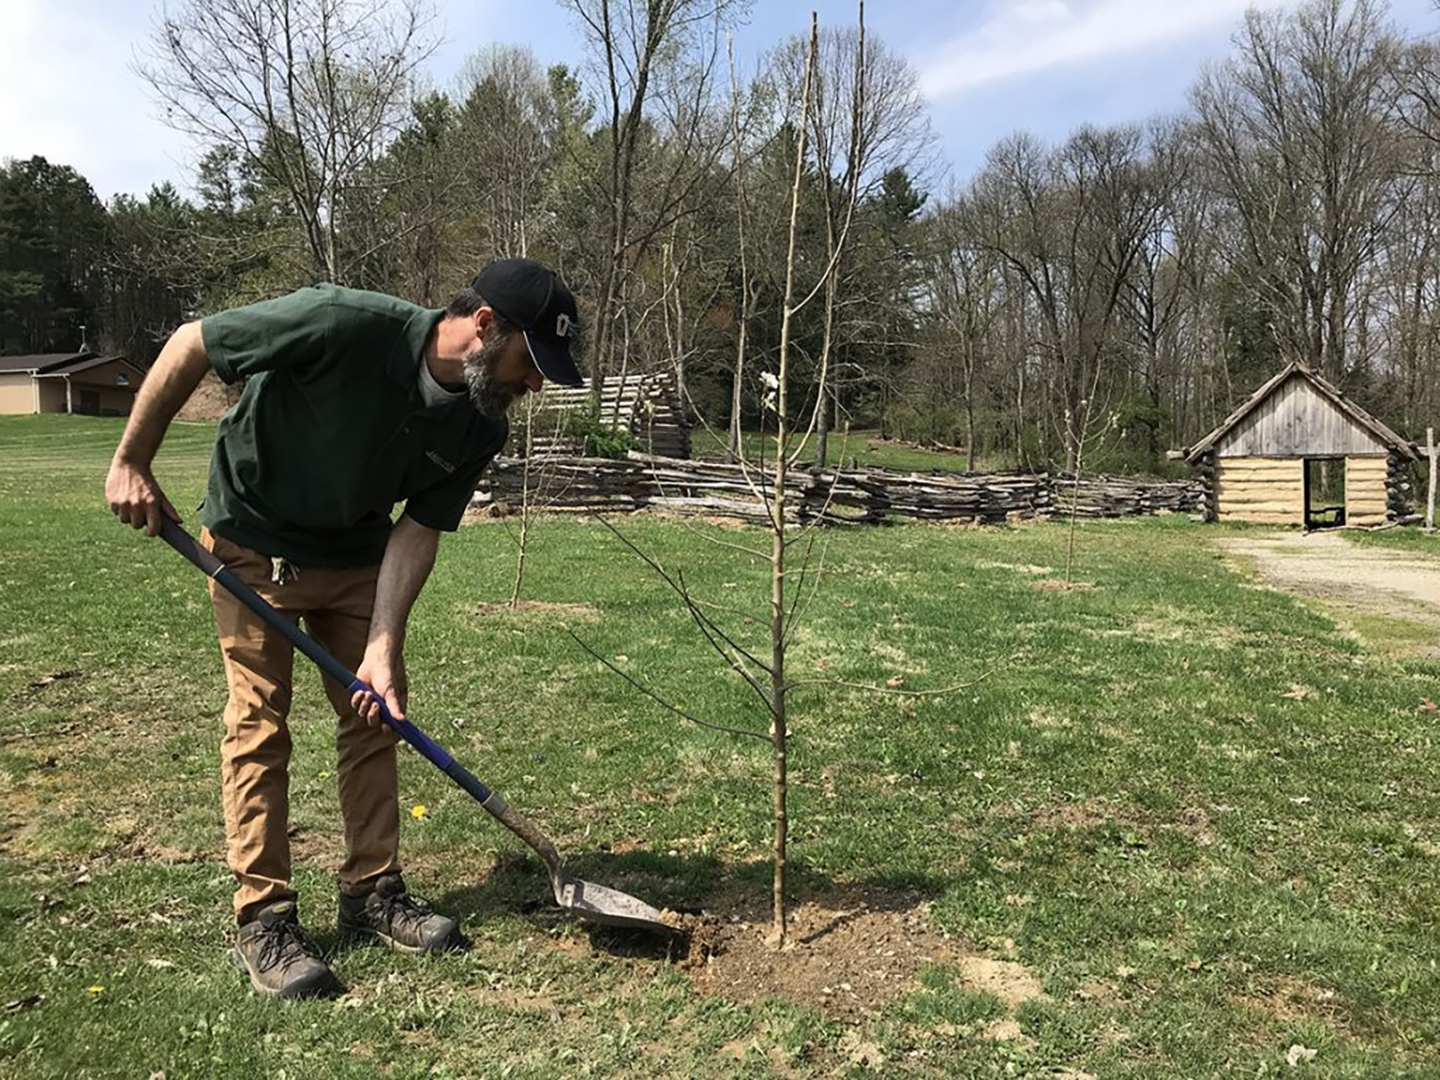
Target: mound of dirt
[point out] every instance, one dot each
(845, 956)
(1056, 585)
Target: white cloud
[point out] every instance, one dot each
(73, 98)
(1019, 37)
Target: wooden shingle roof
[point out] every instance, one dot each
(1327, 390)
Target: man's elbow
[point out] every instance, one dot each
(185, 350)
(192, 338)
(422, 537)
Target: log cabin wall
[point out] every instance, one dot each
(1260, 463)
(1267, 491)
(1365, 497)
(647, 406)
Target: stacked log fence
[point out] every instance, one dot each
(835, 496)
(1126, 496)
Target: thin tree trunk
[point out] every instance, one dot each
(1074, 512)
(736, 384)
(822, 418)
(822, 427)
(738, 380)
(778, 732)
(520, 560)
(680, 384)
(599, 358)
(969, 429)
(526, 498)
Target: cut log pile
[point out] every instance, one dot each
(1397, 488)
(837, 496)
(647, 406)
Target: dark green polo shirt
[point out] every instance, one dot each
(331, 431)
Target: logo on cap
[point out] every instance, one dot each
(562, 325)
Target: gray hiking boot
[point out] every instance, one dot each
(390, 915)
(279, 958)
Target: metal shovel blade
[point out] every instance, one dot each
(583, 899)
(609, 907)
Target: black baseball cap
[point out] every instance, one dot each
(532, 297)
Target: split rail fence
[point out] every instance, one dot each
(837, 496)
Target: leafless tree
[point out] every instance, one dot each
(508, 150)
(1070, 224)
(963, 304)
(1299, 134)
(644, 52)
(766, 675)
(867, 118)
(745, 301)
(540, 433)
(309, 93)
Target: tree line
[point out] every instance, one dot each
(1114, 295)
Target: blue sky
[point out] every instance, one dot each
(989, 67)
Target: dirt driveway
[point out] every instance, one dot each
(1389, 597)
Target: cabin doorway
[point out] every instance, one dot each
(1324, 492)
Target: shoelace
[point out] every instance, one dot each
(404, 908)
(284, 943)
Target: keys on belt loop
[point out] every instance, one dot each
(283, 571)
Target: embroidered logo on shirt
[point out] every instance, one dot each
(433, 456)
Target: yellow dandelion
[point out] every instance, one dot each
(417, 811)
(97, 989)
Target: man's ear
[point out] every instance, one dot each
(484, 316)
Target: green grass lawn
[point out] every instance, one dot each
(1409, 538)
(1207, 822)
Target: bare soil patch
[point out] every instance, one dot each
(146, 849)
(728, 524)
(846, 957)
(1192, 820)
(541, 608)
(1288, 999)
(1012, 983)
(848, 953)
(1019, 568)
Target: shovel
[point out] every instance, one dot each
(594, 903)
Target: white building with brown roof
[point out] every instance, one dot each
(68, 383)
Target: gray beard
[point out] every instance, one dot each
(492, 399)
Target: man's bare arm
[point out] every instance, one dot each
(409, 558)
(130, 488)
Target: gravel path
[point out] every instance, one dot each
(1349, 578)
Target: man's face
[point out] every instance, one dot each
(498, 369)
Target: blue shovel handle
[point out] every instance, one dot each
(189, 547)
(593, 902)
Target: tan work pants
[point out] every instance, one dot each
(336, 604)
